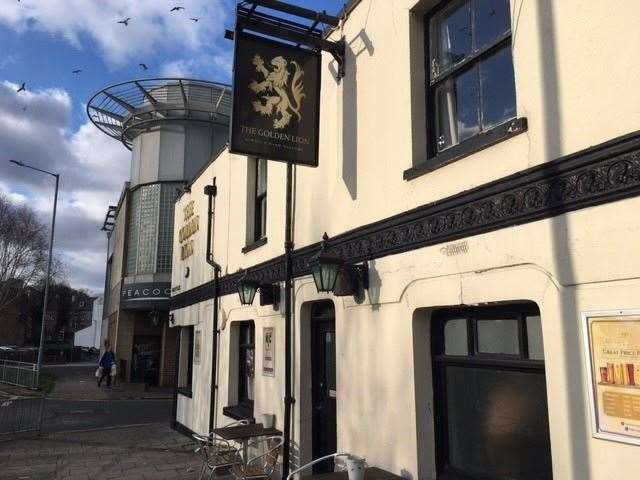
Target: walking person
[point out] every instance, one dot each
(107, 362)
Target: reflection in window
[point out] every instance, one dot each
(471, 70)
(498, 336)
(246, 370)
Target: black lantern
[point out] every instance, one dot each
(325, 267)
(247, 289)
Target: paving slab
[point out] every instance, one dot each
(126, 453)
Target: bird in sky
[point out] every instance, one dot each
(22, 88)
(144, 66)
(125, 22)
(194, 19)
(176, 9)
(77, 71)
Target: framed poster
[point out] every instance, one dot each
(612, 350)
(197, 344)
(276, 101)
(268, 352)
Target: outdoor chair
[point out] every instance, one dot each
(317, 460)
(217, 453)
(262, 465)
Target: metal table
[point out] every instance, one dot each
(243, 433)
(370, 473)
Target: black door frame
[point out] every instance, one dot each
(519, 363)
(318, 321)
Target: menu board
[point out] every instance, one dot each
(268, 351)
(614, 370)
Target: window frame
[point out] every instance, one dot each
(260, 203)
(185, 385)
(243, 407)
(482, 139)
(474, 359)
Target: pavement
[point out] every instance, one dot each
(93, 433)
(149, 452)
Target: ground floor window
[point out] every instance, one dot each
(242, 371)
(185, 370)
(490, 394)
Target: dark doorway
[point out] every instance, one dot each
(145, 366)
(490, 394)
(323, 379)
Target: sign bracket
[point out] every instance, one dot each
(295, 31)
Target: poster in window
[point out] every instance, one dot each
(197, 342)
(612, 347)
(269, 354)
(276, 101)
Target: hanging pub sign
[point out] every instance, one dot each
(276, 101)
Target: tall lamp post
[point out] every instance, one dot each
(47, 279)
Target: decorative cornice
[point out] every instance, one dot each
(597, 175)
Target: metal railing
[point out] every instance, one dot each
(19, 373)
(18, 415)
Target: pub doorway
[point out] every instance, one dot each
(323, 379)
(490, 394)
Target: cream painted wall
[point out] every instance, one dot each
(585, 260)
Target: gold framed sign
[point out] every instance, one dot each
(612, 350)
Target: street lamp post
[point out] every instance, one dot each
(48, 277)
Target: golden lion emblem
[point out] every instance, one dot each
(278, 92)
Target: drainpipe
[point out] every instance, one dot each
(211, 191)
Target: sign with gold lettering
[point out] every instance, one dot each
(612, 346)
(191, 225)
(276, 101)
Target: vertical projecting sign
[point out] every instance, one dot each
(276, 99)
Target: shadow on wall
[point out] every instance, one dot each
(359, 44)
(577, 447)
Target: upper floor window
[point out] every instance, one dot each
(256, 203)
(471, 88)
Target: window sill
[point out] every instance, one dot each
(254, 245)
(239, 412)
(468, 147)
(185, 391)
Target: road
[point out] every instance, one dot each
(92, 413)
(62, 415)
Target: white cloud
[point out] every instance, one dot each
(152, 26)
(92, 170)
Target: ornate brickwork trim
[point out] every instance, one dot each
(597, 175)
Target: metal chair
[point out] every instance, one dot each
(217, 453)
(263, 465)
(317, 460)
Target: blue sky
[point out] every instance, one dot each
(42, 42)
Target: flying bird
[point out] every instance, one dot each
(77, 71)
(125, 22)
(176, 9)
(144, 66)
(194, 19)
(22, 88)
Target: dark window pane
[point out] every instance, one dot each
(457, 109)
(491, 20)
(498, 425)
(451, 37)
(498, 336)
(534, 337)
(498, 89)
(455, 337)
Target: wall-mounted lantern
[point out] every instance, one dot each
(247, 288)
(325, 267)
(332, 274)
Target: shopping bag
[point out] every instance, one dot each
(98, 372)
(114, 370)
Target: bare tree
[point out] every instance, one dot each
(23, 250)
